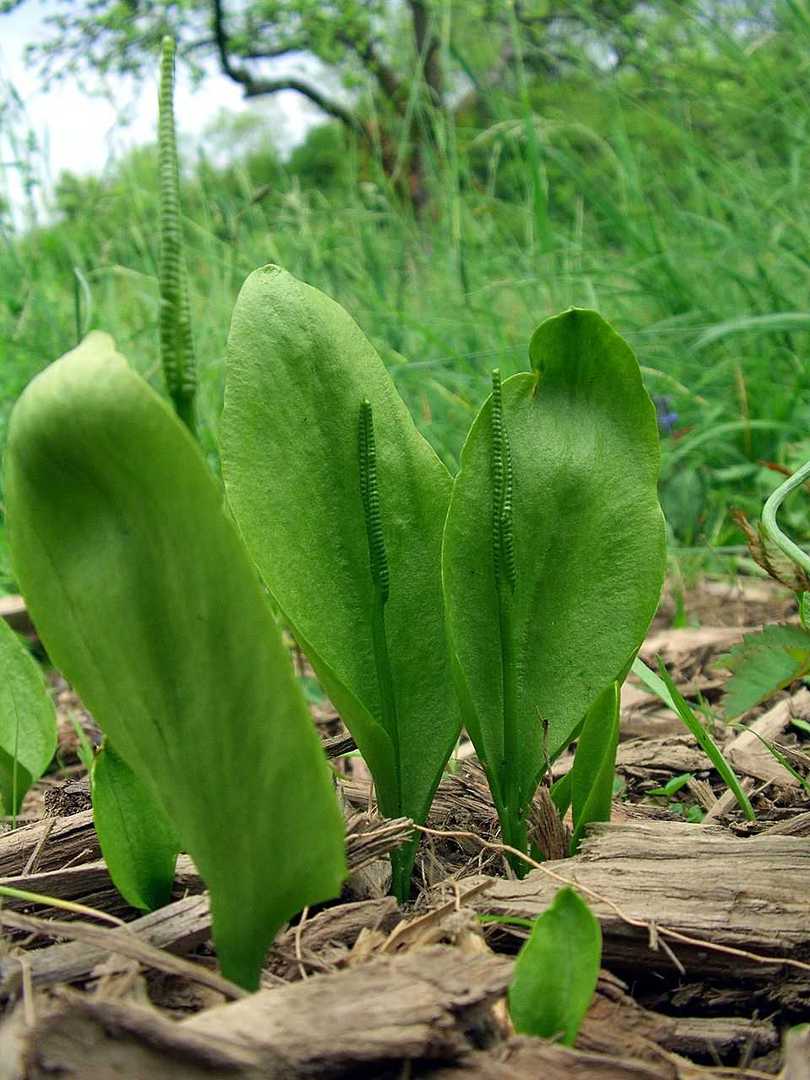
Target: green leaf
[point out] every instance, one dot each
(595, 764)
(672, 786)
(764, 663)
(561, 793)
(588, 543)
(298, 371)
(557, 970)
(146, 599)
(137, 841)
(665, 689)
(27, 721)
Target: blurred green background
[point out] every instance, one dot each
(477, 167)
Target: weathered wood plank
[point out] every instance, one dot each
(65, 839)
(412, 1010)
(743, 893)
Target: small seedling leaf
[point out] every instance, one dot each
(672, 787)
(137, 841)
(557, 970)
(27, 721)
(594, 765)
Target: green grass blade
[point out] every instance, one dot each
(664, 688)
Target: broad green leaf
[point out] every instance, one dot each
(764, 663)
(146, 599)
(557, 970)
(27, 721)
(298, 371)
(588, 546)
(595, 764)
(663, 686)
(137, 840)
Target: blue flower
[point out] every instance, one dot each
(665, 414)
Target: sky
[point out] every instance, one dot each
(83, 132)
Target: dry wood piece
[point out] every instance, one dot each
(423, 1007)
(749, 754)
(61, 841)
(323, 942)
(618, 1026)
(798, 825)
(85, 1039)
(120, 942)
(58, 844)
(675, 645)
(14, 611)
(741, 893)
(178, 928)
(672, 754)
(727, 802)
(523, 1058)
(433, 1004)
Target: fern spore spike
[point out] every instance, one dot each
(503, 555)
(176, 345)
(380, 577)
(371, 501)
(502, 483)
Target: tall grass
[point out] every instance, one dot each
(673, 199)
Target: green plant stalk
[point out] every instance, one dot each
(770, 525)
(512, 826)
(176, 345)
(380, 577)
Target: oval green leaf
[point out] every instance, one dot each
(27, 721)
(146, 599)
(298, 371)
(557, 970)
(137, 840)
(589, 550)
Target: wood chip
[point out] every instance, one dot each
(415, 1010)
(178, 927)
(743, 893)
(748, 754)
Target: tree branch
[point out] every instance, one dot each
(367, 52)
(253, 87)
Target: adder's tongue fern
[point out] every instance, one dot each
(176, 345)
